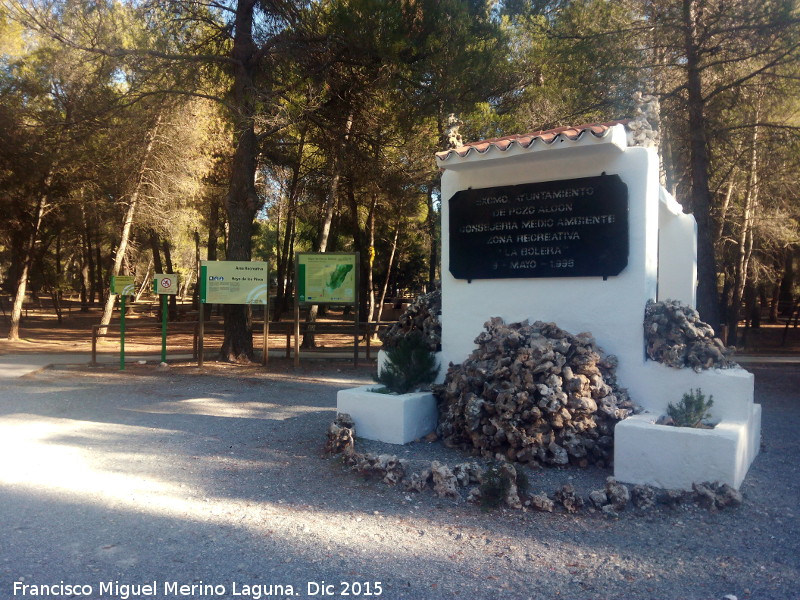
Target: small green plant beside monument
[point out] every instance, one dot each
(410, 366)
(692, 410)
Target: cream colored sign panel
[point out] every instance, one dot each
(233, 282)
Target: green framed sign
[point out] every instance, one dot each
(123, 285)
(233, 282)
(327, 278)
(165, 283)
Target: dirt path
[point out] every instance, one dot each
(216, 477)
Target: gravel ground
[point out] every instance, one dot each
(217, 478)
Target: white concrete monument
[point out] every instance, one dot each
(572, 226)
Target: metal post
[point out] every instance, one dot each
(296, 330)
(356, 332)
(122, 332)
(357, 307)
(266, 319)
(94, 345)
(201, 329)
(163, 328)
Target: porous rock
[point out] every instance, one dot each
(727, 496)
(617, 493)
(533, 393)
(445, 484)
(341, 435)
(466, 473)
(388, 467)
(598, 498)
(672, 498)
(509, 473)
(542, 503)
(567, 498)
(643, 497)
(704, 495)
(418, 481)
(715, 495)
(675, 336)
(608, 511)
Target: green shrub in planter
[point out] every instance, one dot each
(410, 366)
(692, 410)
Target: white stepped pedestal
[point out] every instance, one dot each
(675, 457)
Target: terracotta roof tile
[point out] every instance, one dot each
(526, 140)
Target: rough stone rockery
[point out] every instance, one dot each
(422, 315)
(533, 393)
(675, 336)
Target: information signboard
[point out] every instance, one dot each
(326, 278)
(569, 228)
(233, 282)
(123, 285)
(166, 283)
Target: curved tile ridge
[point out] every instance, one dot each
(548, 136)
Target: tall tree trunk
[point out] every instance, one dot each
(127, 222)
(787, 284)
(88, 291)
(156, 250)
(745, 246)
(147, 284)
(388, 271)
(325, 231)
(213, 231)
(242, 201)
(723, 211)
(27, 260)
(98, 262)
(707, 300)
(158, 266)
(433, 258)
(286, 253)
(57, 293)
(173, 298)
(370, 258)
(196, 289)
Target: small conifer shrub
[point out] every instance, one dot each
(495, 484)
(410, 366)
(494, 487)
(692, 410)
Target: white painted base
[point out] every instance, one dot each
(675, 457)
(654, 386)
(387, 418)
(382, 358)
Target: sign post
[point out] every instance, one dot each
(234, 282)
(123, 286)
(165, 285)
(326, 278)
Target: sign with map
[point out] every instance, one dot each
(233, 282)
(326, 278)
(123, 285)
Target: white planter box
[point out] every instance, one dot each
(387, 418)
(675, 457)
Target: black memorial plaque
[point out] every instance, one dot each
(570, 228)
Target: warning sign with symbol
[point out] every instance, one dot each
(166, 283)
